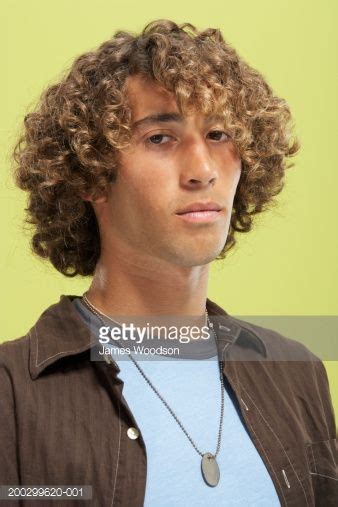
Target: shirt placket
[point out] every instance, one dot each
(290, 486)
(129, 480)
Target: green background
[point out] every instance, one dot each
(288, 264)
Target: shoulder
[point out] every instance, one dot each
(273, 344)
(294, 369)
(14, 362)
(278, 346)
(13, 351)
(286, 354)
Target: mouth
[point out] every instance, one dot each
(200, 216)
(201, 212)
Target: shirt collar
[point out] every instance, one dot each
(61, 332)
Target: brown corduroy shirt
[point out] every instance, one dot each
(64, 420)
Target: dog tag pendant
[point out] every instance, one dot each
(210, 470)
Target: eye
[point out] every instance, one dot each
(156, 138)
(218, 134)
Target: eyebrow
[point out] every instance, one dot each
(166, 118)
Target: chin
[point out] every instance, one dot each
(192, 259)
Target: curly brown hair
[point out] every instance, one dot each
(70, 142)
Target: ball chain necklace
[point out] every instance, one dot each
(209, 466)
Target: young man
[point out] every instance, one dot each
(141, 165)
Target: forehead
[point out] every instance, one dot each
(147, 96)
(152, 103)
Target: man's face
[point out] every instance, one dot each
(171, 164)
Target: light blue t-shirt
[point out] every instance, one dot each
(192, 390)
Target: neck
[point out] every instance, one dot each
(141, 285)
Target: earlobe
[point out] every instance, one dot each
(100, 199)
(85, 197)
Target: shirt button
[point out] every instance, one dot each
(133, 433)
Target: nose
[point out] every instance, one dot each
(198, 169)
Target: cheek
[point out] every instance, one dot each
(230, 176)
(237, 176)
(236, 164)
(137, 195)
(143, 178)
(138, 171)
(234, 161)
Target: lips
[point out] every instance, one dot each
(200, 206)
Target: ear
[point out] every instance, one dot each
(98, 198)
